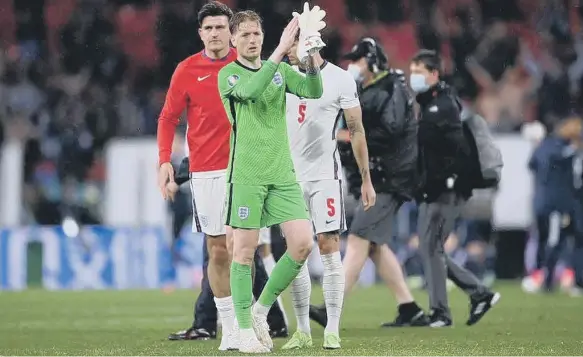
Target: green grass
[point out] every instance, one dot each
(37, 322)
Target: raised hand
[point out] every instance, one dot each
(311, 23)
(289, 35)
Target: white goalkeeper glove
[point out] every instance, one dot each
(310, 22)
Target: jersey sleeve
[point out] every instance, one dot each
(348, 92)
(169, 118)
(233, 86)
(309, 86)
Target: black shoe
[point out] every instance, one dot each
(318, 314)
(439, 319)
(413, 318)
(480, 306)
(193, 333)
(279, 332)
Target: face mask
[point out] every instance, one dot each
(354, 70)
(418, 83)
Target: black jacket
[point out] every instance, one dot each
(391, 130)
(444, 153)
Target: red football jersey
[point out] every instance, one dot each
(194, 87)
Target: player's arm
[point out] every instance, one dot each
(353, 118)
(245, 89)
(174, 105)
(350, 105)
(309, 86)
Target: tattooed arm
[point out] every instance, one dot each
(309, 86)
(353, 117)
(312, 67)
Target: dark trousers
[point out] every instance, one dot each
(205, 310)
(436, 222)
(553, 230)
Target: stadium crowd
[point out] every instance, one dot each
(77, 73)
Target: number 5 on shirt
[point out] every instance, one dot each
(302, 112)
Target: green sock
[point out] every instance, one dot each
(242, 293)
(284, 272)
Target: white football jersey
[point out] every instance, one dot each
(311, 125)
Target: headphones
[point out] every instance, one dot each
(375, 58)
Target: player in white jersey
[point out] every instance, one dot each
(312, 133)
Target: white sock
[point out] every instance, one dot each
(333, 286)
(269, 262)
(261, 310)
(226, 312)
(301, 289)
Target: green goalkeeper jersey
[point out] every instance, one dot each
(255, 103)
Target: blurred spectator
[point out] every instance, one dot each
(506, 88)
(464, 36)
(427, 32)
(19, 95)
(30, 28)
(496, 53)
(555, 95)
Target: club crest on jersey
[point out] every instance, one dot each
(243, 212)
(204, 220)
(232, 80)
(277, 79)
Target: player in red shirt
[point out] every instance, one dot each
(194, 87)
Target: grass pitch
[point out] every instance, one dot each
(37, 322)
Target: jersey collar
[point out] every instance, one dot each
(204, 55)
(248, 68)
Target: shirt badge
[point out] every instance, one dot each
(277, 79)
(232, 80)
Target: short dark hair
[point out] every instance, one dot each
(214, 8)
(242, 16)
(428, 58)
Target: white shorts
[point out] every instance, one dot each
(208, 202)
(264, 236)
(325, 201)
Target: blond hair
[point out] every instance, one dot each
(244, 16)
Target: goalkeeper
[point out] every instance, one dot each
(261, 187)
